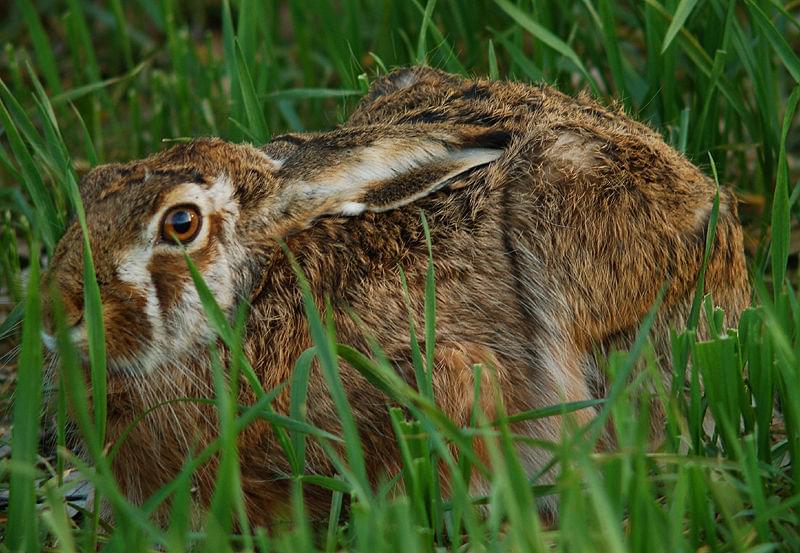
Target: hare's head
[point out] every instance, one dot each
(225, 206)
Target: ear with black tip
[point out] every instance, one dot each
(378, 168)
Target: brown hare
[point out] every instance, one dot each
(554, 224)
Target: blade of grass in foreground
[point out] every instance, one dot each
(711, 235)
(227, 498)
(93, 309)
(781, 227)
(130, 520)
(430, 311)
(220, 324)
(595, 428)
(47, 219)
(326, 354)
(388, 381)
(22, 531)
(56, 518)
(12, 320)
(297, 405)
(494, 73)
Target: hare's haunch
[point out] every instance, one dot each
(554, 224)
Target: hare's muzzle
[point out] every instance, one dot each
(64, 296)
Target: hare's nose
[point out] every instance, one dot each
(72, 325)
(72, 308)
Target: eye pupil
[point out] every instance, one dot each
(181, 221)
(181, 224)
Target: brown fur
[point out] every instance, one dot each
(551, 252)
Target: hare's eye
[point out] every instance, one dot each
(181, 224)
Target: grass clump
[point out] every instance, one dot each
(87, 82)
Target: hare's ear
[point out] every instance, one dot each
(403, 78)
(284, 146)
(92, 183)
(377, 168)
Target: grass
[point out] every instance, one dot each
(84, 83)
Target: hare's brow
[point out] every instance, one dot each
(187, 175)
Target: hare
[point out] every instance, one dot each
(554, 223)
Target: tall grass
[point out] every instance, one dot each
(83, 83)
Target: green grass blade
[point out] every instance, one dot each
(257, 123)
(611, 42)
(12, 320)
(422, 50)
(682, 13)
(81, 42)
(494, 72)
(310, 93)
(122, 32)
(93, 308)
(618, 387)
(711, 237)
(780, 207)
(526, 22)
(41, 44)
(79, 92)
(430, 312)
(93, 312)
(551, 411)
(227, 498)
(56, 518)
(230, 62)
(786, 52)
(222, 327)
(326, 353)
(22, 530)
(47, 218)
(91, 153)
(530, 70)
(297, 404)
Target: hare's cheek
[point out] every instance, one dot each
(170, 280)
(181, 310)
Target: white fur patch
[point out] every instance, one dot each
(575, 150)
(132, 270)
(702, 214)
(405, 80)
(77, 335)
(48, 341)
(221, 194)
(132, 267)
(353, 208)
(275, 162)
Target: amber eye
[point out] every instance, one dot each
(181, 224)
